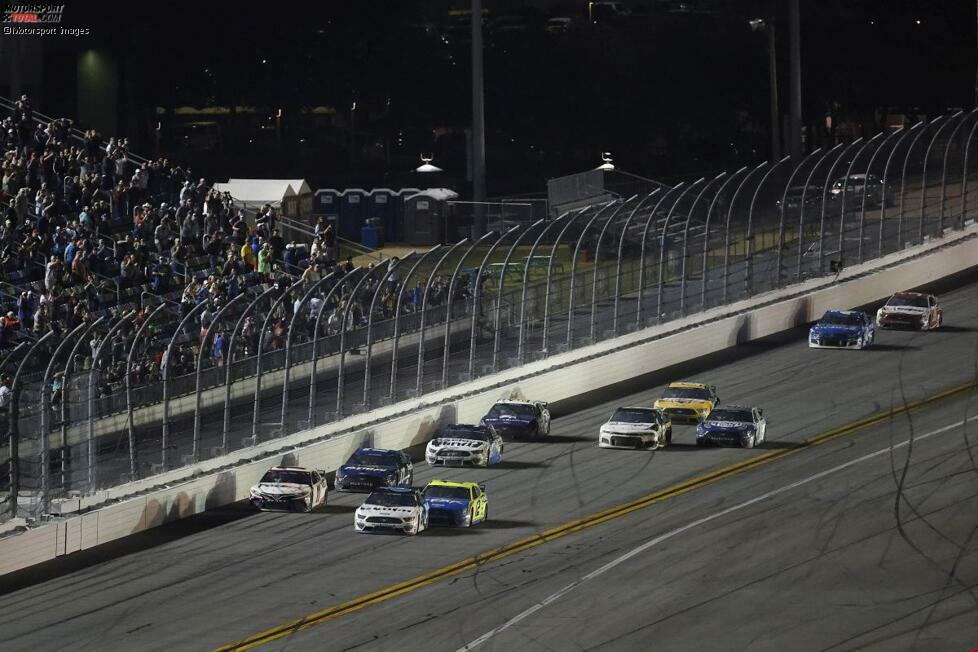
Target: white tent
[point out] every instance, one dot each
(263, 191)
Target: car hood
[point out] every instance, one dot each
(692, 403)
(618, 426)
(726, 426)
(455, 442)
(454, 504)
(281, 489)
(836, 329)
(508, 421)
(396, 512)
(371, 471)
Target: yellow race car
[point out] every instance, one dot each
(688, 403)
(459, 504)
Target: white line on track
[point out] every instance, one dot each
(701, 521)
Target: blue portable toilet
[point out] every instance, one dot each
(327, 202)
(353, 213)
(399, 209)
(381, 207)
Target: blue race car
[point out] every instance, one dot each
(371, 468)
(519, 419)
(459, 504)
(732, 425)
(842, 329)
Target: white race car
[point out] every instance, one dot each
(636, 427)
(460, 444)
(910, 310)
(392, 509)
(288, 488)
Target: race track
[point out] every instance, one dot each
(836, 562)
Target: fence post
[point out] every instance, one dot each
(200, 364)
(46, 416)
(592, 322)
(424, 307)
(641, 264)
(261, 350)
(749, 242)
(862, 212)
(689, 218)
(13, 432)
(923, 183)
(845, 193)
(726, 237)
(621, 251)
(288, 350)
(64, 401)
(825, 201)
(447, 350)
(499, 292)
(662, 247)
(344, 320)
(947, 152)
(92, 476)
(964, 177)
(804, 202)
(397, 319)
(783, 209)
(903, 179)
(526, 282)
(370, 328)
(129, 408)
(477, 297)
(226, 427)
(886, 176)
(315, 341)
(706, 234)
(165, 372)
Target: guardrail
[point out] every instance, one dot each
(457, 313)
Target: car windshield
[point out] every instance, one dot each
(916, 302)
(391, 499)
(840, 319)
(460, 493)
(739, 416)
(278, 476)
(698, 393)
(511, 410)
(854, 182)
(373, 459)
(635, 415)
(465, 433)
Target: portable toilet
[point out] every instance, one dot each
(399, 208)
(425, 214)
(353, 212)
(381, 207)
(327, 202)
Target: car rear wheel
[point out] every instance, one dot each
(748, 442)
(668, 436)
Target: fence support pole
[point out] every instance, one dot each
(397, 319)
(749, 242)
(947, 152)
(64, 402)
(706, 234)
(662, 247)
(521, 337)
(477, 297)
(641, 265)
(726, 237)
(862, 212)
(447, 350)
(825, 201)
(166, 366)
(13, 432)
(783, 209)
(130, 428)
(903, 178)
(923, 182)
(344, 320)
(621, 254)
(200, 364)
(886, 180)
(424, 312)
(315, 340)
(256, 411)
(497, 320)
(370, 328)
(592, 321)
(964, 177)
(92, 475)
(804, 202)
(845, 192)
(226, 428)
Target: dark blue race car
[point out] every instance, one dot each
(842, 329)
(732, 425)
(519, 419)
(372, 468)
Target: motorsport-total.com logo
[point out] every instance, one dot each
(38, 20)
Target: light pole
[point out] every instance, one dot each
(762, 25)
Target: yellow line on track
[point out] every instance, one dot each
(521, 545)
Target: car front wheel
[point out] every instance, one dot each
(748, 441)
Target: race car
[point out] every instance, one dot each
(371, 468)
(842, 329)
(518, 419)
(636, 427)
(910, 310)
(688, 403)
(732, 425)
(460, 504)
(392, 509)
(289, 489)
(460, 444)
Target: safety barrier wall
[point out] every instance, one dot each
(121, 511)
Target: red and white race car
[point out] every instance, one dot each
(910, 310)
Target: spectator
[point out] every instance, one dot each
(265, 261)
(217, 353)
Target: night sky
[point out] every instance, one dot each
(670, 94)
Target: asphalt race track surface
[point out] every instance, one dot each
(863, 541)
